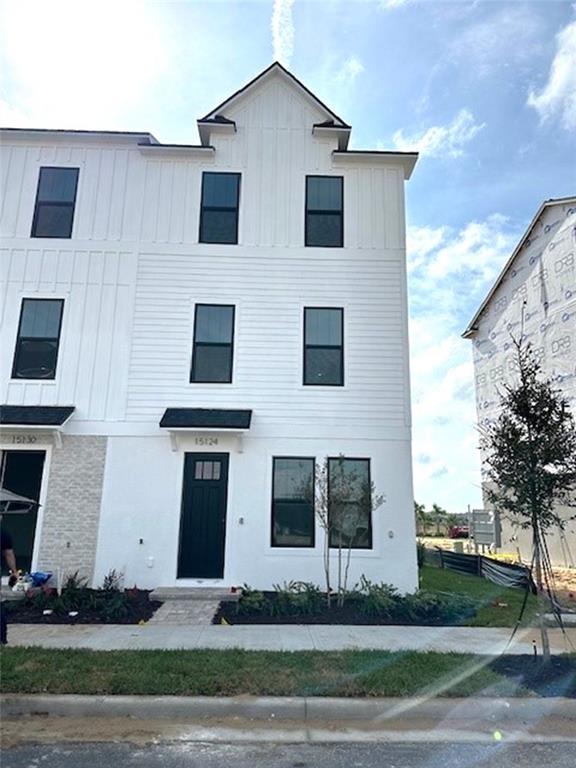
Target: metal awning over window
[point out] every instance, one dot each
(213, 419)
(35, 416)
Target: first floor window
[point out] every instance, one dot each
(293, 502)
(38, 339)
(213, 343)
(324, 346)
(350, 503)
(55, 201)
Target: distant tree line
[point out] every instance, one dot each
(436, 521)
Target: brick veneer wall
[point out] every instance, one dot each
(72, 512)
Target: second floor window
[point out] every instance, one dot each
(213, 343)
(324, 346)
(219, 210)
(55, 201)
(325, 211)
(38, 339)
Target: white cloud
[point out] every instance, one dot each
(510, 36)
(450, 271)
(80, 65)
(558, 97)
(441, 140)
(390, 4)
(282, 26)
(350, 70)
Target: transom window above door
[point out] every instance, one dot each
(219, 208)
(213, 344)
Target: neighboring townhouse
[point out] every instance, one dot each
(534, 296)
(189, 330)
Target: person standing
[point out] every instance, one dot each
(8, 556)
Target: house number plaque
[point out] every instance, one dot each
(206, 441)
(22, 439)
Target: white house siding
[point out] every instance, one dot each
(130, 276)
(540, 286)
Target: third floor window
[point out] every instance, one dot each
(219, 209)
(55, 201)
(325, 211)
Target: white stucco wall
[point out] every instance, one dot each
(142, 495)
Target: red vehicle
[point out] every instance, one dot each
(458, 532)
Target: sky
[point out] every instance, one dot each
(485, 90)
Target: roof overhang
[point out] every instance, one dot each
(472, 326)
(77, 136)
(340, 132)
(406, 160)
(218, 125)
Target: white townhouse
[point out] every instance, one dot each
(534, 295)
(188, 330)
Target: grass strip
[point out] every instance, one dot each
(258, 673)
(498, 606)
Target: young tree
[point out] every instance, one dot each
(343, 503)
(530, 463)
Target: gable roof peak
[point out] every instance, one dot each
(276, 68)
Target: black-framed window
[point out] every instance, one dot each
(325, 211)
(213, 343)
(55, 202)
(293, 502)
(324, 346)
(38, 339)
(219, 208)
(350, 502)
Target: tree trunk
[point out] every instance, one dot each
(541, 599)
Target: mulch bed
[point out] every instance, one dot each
(139, 607)
(556, 678)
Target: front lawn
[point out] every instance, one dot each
(260, 673)
(496, 606)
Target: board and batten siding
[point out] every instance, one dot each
(98, 292)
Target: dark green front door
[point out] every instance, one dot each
(203, 516)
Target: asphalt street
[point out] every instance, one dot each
(222, 755)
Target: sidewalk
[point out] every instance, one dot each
(478, 640)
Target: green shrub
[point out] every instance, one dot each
(441, 608)
(252, 602)
(376, 600)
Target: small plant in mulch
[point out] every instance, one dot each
(78, 604)
(298, 602)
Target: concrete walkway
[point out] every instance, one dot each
(481, 640)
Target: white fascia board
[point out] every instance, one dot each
(79, 137)
(176, 150)
(407, 160)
